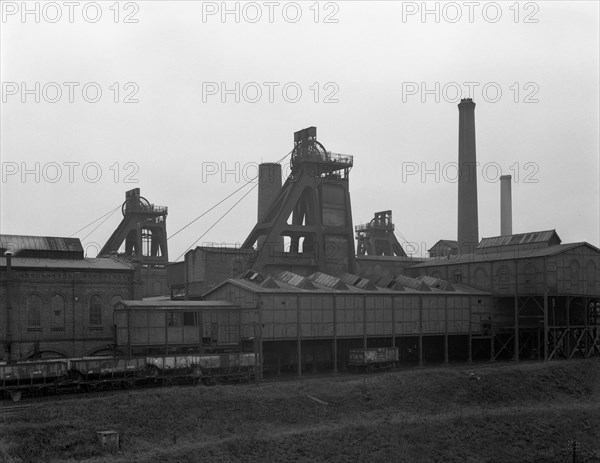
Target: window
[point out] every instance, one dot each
(457, 276)
(503, 277)
(95, 310)
(574, 275)
(174, 318)
(57, 312)
(191, 319)
(591, 275)
(34, 308)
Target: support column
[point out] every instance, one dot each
(446, 330)
(364, 301)
(298, 338)
(545, 326)
(470, 341)
(568, 336)
(335, 355)
(420, 331)
(393, 322)
(516, 355)
(492, 331)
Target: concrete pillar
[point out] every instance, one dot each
(468, 228)
(505, 205)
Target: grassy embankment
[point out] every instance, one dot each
(503, 413)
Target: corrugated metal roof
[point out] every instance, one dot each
(126, 305)
(285, 288)
(358, 281)
(19, 243)
(295, 280)
(98, 263)
(502, 254)
(327, 280)
(448, 243)
(436, 283)
(519, 239)
(413, 283)
(269, 283)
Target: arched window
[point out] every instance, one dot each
(95, 310)
(503, 277)
(457, 276)
(591, 279)
(529, 273)
(574, 275)
(34, 309)
(480, 278)
(57, 311)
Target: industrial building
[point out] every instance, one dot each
(303, 293)
(55, 302)
(518, 295)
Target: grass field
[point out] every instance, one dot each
(529, 412)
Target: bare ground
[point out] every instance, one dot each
(527, 412)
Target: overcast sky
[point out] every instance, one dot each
(369, 74)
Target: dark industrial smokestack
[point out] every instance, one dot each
(269, 186)
(505, 205)
(468, 228)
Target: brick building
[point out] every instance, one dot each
(54, 302)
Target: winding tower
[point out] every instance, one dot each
(311, 214)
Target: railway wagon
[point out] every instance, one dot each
(208, 369)
(376, 358)
(168, 327)
(105, 373)
(41, 377)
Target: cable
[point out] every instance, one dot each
(221, 202)
(214, 224)
(208, 210)
(99, 218)
(402, 237)
(97, 226)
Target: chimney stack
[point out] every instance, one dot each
(269, 186)
(505, 205)
(468, 228)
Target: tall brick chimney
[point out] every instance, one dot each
(505, 205)
(468, 228)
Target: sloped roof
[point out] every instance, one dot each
(98, 263)
(295, 280)
(389, 283)
(358, 281)
(519, 239)
(411, 286)
(327, 280)
(436, 283)
(19, 244)
(503, 254)
(413, 283)
(155, 304)
(448, 243)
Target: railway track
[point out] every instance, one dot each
(10, 409)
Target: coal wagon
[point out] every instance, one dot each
(41, 377)
(371, 359)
